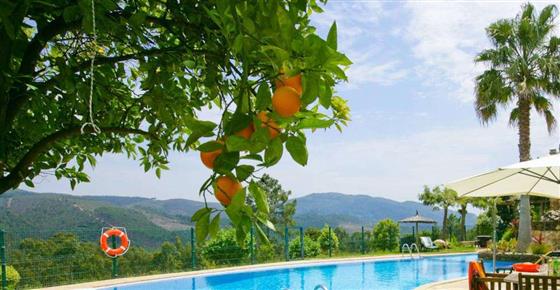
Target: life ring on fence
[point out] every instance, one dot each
(125, 243)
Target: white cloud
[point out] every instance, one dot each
(360, 38)
(398, 167)
(383, 74)
(446, 36)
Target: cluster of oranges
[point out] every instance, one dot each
(286, 102)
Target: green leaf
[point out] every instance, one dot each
(71, 13)
(199, 213)
(244, 171)
(234, 209)
(259, 140)
(314, 123)
(296, 148)
(311, 88)
(260, 196)
(237, 123)
(198, 126)
(256, 157)
(226, 161)
(273, 152)
(325, 96)
(210, 146)
(267, 223)
(331, 38)
(29, 183)
(237, 143)
(260, 233)
(202, 227)
(264, 99)
(214, 226)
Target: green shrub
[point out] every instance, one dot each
(167, 259)
(266, 252)
(505, 245)
(483, 225)
(12, 276)
(311, 248)
(540, 249)
(407, 239)
(223, 249)
(325, 243)
(386, 235)
(508, 234)
(312, 233)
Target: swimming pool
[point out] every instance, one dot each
(402, 274)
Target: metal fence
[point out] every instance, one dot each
(55, 258)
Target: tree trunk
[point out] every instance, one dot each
(444, 226)
(524, 235)
(463, 222)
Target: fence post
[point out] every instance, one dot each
(193, 250)
(3, 260)
(301, 244)
(252, 245)
(363, 241)
(286, 244)
(330, 243)
(115, 267)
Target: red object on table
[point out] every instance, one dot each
(526, 267)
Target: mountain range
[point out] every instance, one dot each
(30, 214)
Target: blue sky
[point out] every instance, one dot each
(411, 94)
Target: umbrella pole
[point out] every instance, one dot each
(417, 235)
(494, 235)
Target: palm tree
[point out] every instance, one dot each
(523, 71)
(463, 203)
(439, 199)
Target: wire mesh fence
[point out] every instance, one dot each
(48, 258)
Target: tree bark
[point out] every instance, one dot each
(21, 171)
(444, 226)
(463, 222)
(524, 234)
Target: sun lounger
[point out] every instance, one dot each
(427, 243)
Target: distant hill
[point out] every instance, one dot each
(151, 221)
(353, 211)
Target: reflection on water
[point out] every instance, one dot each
(397, 274)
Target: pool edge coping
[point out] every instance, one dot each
(440, 283)
(236, 269)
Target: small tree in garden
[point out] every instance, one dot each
(82, 78)
(440, 198)
(311, 248)
(325, 242)
(224, 249)
(386, 235)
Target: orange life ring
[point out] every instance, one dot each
(110, 251)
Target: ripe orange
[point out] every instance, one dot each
(246, 132)
(286, 101)
(209, 157)
(293, 82)
(273, 128)
(225, 188)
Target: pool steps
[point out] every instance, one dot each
(410, 248)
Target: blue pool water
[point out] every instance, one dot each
(402, 274)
